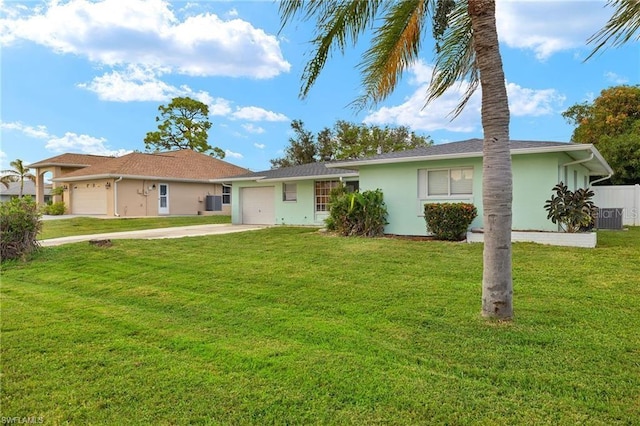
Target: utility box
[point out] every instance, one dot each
(609, 218)
(213, 203)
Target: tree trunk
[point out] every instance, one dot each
(497, 285)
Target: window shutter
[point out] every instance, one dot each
(422, 183)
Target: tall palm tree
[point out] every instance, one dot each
(621, 27)
(18, 173)
(467, 47)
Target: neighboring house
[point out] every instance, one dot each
(140, 184)
(29, 189)
(450, 172)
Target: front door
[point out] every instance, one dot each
(163, 198)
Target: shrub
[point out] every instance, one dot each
(573, 211)
(449, 221)
(55, 209)
(19, 227)
(357, 214)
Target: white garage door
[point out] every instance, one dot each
(90, 199)
(257, 205)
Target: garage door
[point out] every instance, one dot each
(88, 198)
(257, 205)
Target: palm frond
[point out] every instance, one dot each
(621, 27)
(455, 60)
(394, 48)
(338, 24)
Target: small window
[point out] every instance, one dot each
(289, 192)
(226, 194)
(446, 182)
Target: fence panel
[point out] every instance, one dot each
(626, 197)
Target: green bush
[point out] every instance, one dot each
(357, 214)
(55, 209)
(449, 221)
(19, 227)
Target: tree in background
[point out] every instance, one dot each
(612, 123)
(466, 48)
(184, 124)
(346, 141)
(17, 174)
(620, 28)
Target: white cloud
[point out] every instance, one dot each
(253, 129)
(85, 144)
(133, 84)
(436, 115)
(70, 142)
(38, 132)
(615, 78)
(549, 26)
(233, 13)
(533, 103)
(231, 154)
(147, 33)
(253, 113)
(259, 145)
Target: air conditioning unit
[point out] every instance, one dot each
(609, 218)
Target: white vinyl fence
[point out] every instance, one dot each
(626, 197)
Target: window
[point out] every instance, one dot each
(289, 192)
(323, 190)
(226, 194)
(445, 182)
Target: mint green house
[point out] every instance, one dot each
(450, 172)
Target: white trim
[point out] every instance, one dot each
(229, 194)
(514, 151)
(163, 210)
(133, 177)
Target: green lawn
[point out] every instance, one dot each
(289, 326)
(90, 225)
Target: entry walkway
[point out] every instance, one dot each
(154, 234)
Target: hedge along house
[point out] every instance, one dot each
(452, 172)
(140, 184)
(297, 195)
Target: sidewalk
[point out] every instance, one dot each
(154, 234)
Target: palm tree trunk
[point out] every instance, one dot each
(497, 285)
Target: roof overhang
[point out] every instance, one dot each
(133, 177)
(597, 166)
(286, 179)
(41, 165)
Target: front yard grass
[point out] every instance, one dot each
(289, 326)
(90, 225)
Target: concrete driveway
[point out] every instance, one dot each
(154, 234)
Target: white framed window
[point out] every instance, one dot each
(323, 191)
(226, 194)
(289, 192)
(445, 182)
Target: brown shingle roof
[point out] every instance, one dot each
(78, 160)
(184, 164)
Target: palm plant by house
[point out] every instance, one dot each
(18, 173)
(467, 48)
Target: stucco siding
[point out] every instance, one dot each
(405, 206)
(140, 197)
(533, 178)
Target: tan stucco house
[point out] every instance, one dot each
(139, 184)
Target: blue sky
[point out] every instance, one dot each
(88, 77)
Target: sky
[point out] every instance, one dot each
(88, 76)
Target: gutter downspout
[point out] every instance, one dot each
(601, 179)
(115, 196)
(571, 163)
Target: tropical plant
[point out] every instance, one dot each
(19, 227)
(467, 48)
(18, 173)
(184, 124)
(357, 214)
(620, 28)
(55, 209)
(449, 221)
(572, 210)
